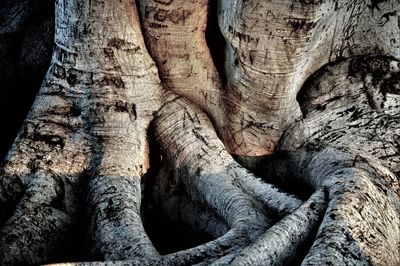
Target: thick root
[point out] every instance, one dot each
(361, 224)
(192, 146)
(116, 230)
(93, 100)
(272, 48)
(39, 227)
(92, 116)
(46, 166)
(280, 244)
(175, 35)
(353, 153)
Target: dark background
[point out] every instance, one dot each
(26, 40)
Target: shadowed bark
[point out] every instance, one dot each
(141, 148)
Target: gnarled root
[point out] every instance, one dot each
(88, 121)
(361, 223)
(91, 119)
(352, 152)
(210, 177)
(43, 180)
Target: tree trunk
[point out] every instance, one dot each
(139, 149)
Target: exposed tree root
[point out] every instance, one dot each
(46, 169)
(190, 142)
(281, 242)
(116, 227)
(246, 215)
(362, 220)
(88, 129)
(357, 185)
(356, 192)
(211, 176)
(84, 111)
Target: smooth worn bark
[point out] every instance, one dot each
(135, 131)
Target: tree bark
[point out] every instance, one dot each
(289, 154)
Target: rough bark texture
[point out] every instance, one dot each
(26, 39)
(139, 149)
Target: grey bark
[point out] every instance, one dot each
(288, 155)
(26, 30)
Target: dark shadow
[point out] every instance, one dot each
(25, 55)
(68, 242)
(273, 169)
(166, 234)
(215, 40)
